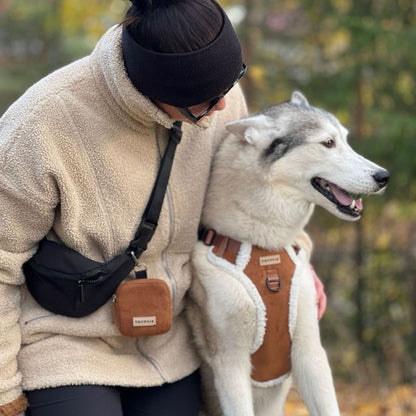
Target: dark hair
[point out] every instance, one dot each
(173, 26)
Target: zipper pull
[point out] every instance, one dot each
(81, 287)
(114, 314)
(94, 276)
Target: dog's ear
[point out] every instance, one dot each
(299, 99)
(250, 128)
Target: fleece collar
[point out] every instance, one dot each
(111, 76)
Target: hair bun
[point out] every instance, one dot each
(152, 4)
(142, 4)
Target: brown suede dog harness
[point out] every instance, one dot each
(271, 272)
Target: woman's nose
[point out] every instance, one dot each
(220, 104)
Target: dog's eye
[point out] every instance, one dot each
(329, 143)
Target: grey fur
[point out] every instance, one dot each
(281, 145)
(301, 120)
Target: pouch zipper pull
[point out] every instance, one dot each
(114, 314)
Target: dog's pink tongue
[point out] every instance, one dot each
(342, 197)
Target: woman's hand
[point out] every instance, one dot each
(320, 294)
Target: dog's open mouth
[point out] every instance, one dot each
(344, 200)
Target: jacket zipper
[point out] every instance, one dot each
(170, 235)
(145, 356)
(164, 265)
(164, 252)
(151, 361)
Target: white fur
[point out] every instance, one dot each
(266, 202)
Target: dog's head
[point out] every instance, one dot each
(304, 151)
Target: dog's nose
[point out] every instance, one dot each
(382, 177)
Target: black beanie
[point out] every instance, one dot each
(184, 79)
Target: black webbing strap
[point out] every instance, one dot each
(151, 214)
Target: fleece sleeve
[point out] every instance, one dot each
(22, 224)
(27, 203)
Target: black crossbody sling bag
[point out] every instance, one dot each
(65, 282)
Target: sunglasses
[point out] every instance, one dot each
(196, 117)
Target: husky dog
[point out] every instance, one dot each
(270, 171)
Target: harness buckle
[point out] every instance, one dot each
(207, 236)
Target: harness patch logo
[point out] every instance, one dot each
(268, 260)
(144, 320)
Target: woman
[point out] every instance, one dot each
(79, 153)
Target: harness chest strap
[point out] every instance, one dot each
(271, 272)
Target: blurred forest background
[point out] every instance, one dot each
(354, 58)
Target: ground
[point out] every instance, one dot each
(363, 400)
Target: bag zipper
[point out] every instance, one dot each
(90, 277)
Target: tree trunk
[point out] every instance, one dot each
(359, 246)
(248, 47)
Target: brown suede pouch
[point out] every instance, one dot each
(142, 307)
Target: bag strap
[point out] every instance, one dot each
(151, 214)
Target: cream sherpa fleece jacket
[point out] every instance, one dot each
(79, 152)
